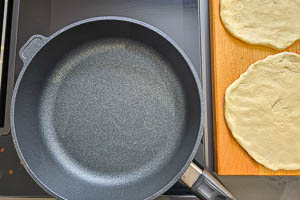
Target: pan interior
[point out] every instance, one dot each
(113, 110)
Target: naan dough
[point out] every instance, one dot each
(262, 110)
(273, 23)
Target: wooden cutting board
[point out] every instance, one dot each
(230, 58)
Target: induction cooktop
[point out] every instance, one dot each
(185, 21)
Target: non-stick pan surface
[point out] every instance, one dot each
(108, 108)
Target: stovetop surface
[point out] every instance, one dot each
(177, 18)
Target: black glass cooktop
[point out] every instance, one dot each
(177, 18)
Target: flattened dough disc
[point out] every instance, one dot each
(273, 23)
(262, 110)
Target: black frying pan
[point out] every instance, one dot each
(109, 108)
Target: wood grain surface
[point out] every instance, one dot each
(230, 58)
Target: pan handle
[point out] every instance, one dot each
(204, 185)
(31, 47)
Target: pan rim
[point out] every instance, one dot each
(111, 18)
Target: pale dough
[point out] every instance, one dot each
(273, 23)
(262, 110)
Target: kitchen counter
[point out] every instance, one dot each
(263, 187)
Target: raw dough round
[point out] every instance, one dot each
(262, 110)
(273, 23)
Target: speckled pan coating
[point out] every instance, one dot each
(106, 108)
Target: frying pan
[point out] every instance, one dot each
(109, 108)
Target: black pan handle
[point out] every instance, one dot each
(204, 185)
(31, 47)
